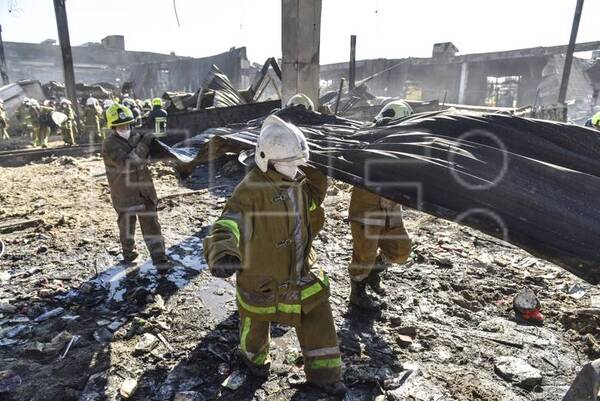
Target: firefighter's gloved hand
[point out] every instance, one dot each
(226, 266)
(147, 138)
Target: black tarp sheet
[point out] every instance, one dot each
(532, 183)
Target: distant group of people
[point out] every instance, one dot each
(264, 236)
(38, 121)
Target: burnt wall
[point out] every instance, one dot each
(94, 63)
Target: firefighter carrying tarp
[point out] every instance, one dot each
(264, 237)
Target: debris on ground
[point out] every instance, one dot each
(447, 317)
(527, 306)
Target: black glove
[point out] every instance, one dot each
(226, 266)
(147, 138)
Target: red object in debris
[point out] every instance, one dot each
(534, 314)
(527, 306)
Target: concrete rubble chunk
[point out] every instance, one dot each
(595, 301)
(128, 387)
(5, 307)
(518, 371)
(57, 344)
(146, 344)
(586, 386)
(103, 335)
(48, 315)
(234, 380)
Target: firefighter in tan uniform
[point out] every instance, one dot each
(125, 155)
(24, 118)
(40, 122)
(91, 120)
(3, 122)
(68, 128)
(264, 237)
(378, 234)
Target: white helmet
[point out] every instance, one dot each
(64, 100)
(26, 101)
(91, 101)
(394, 110)
(33, 103)
(107, 103)
(300, 99)
(281, 144)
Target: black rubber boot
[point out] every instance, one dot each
(162, 264)
(255, 370)
(360, 298)
(374, 281)
(337, 389)
(129, 256)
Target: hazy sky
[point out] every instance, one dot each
(385, 28)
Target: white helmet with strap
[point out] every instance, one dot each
(91, 101)
(107, 103)
(300, 99)
(394, 110)
(281, 145)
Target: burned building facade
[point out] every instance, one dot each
(107, 61)
(149, 74)
(154, 78)
(512, 78)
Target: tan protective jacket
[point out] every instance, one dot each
(266, 225)
(129, 178)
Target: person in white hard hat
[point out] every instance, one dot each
(263, 236)
(378, 234)
(91, 121)
(300, 99)
(392, 111)
(69, 128)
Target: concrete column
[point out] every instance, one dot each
(3, 68)
(462, 86)
(300, 42)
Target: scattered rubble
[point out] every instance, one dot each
(447, 319)
(518, 371)
(128, 388)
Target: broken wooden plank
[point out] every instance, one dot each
(8, 228)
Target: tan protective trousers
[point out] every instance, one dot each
(393, 243)
(41, 136)
(317, 338)
(150, 230)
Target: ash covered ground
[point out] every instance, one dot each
(446, 331)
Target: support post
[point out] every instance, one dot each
(3, 68)
(462, 86)
(62, 25)
(339, 96)
(352, 65)
(564, 84)
(300, 42)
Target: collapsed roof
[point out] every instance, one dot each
(531, 183)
